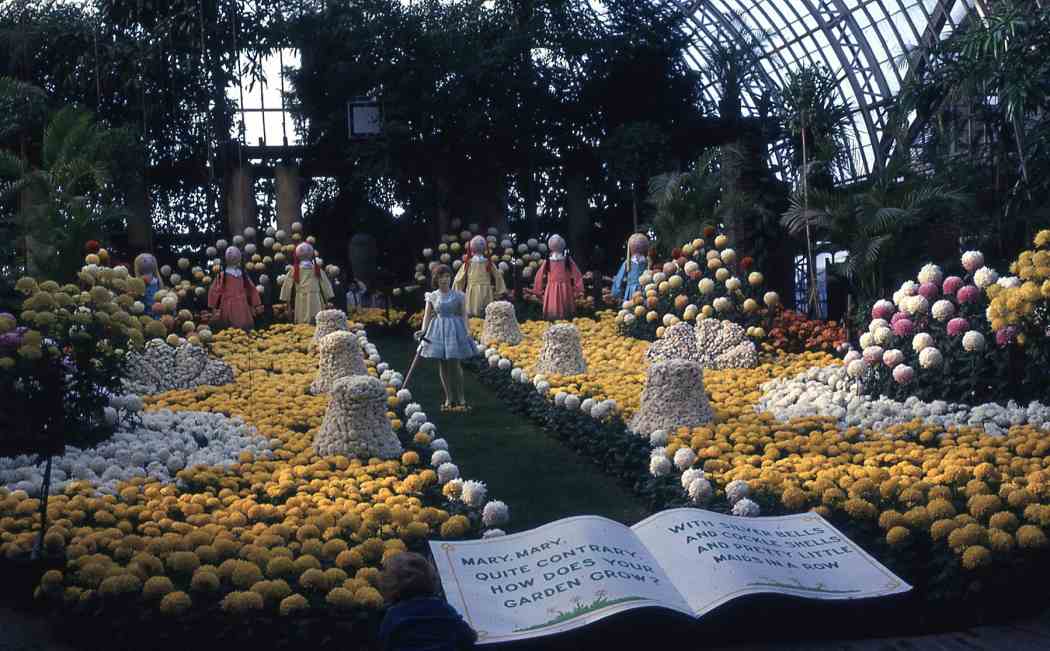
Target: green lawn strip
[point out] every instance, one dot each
(541, 479)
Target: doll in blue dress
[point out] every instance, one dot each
(146, 269)
(445, 336)
(625, 284)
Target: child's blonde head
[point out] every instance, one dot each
(407, 575)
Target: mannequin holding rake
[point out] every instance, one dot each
(445, 336)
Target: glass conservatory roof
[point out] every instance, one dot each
(861, 41)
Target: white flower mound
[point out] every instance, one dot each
(161, 367)
(562, 351)
(340, 356)
(501, 324)
(724, 344)
(162, 445)
(673, 397)
(830, 391)
(355, 423)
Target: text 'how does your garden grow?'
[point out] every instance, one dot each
(578, 570)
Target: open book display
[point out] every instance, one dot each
(578, 570)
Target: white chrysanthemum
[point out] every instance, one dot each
(659, 438)
(495, 514)
(691, 474)
(1009, 282)
(930, 357)
(931, 273)
(722, 304)
(404, 395)
(915, 305)
(920, 341)
(732, 284)
(447, 472)
(850, 356)
(572, 402)
(867, 340)
(876, 324)
(985, 277)
(439, 457)
(659, 465)
(972, 260)
(973, 341)
(504, 364)
(473, 493)
(746, 508)
(439, 444)
(892, 357)
(737, 490)
(413, 408)
(700, 491)
(493, 533)
(428, 428)
(882, 336)
(943, 310)
(706, 286)
(857, 368)
(684, 458)
(873, 354)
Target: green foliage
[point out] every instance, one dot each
(816, 121)
(879, 223)
(64, 199)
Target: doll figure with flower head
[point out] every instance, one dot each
(307, 286)
(479, 279)
(147, 270)
(558, 282)
(233, 297)
(625, 283)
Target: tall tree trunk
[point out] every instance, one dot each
(577, 216)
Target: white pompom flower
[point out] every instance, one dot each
(690, 475)
(659, 466)
(700, 491)
(659, 438)
(439, 457)
(943, 310)
(931, 273)
(973, 341)
(684, 458)
(447, 472)
(921, 341)
(930, 357)
(493, 533)
(473, 493)
(495, 514)
(746, 508)
(985, 277)
(737, 490)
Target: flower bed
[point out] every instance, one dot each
(275, 531)
(955, 511)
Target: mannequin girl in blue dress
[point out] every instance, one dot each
(625, 284)
(445, 336)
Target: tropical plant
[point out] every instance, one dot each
(868, 222)
(62, 199)
(983, 109)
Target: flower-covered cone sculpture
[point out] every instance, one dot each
(501, 325)
(678, 342)
(724, 344)
(673, 397)
(340, 356)
(355, 424)
(562, 352)
(329, 321)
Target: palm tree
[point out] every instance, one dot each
(60, 203)
(868, 223)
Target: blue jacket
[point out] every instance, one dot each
(626, 284)
(425, 624)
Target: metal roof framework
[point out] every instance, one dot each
(865, 43)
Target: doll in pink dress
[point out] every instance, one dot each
(558, 282)
(233, 296)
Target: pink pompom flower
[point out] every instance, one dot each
(958, 326)
(968, 294)
(892, 357)
(1004, 336)
(951, 285)
(929, 291)
(903, 374)
(903, 327)
(883, 309)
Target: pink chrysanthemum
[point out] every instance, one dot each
(882, 309)
(951, 285)
(903, 327)
(958, 326)
(929, 291)
(903, 374)
(968, 294)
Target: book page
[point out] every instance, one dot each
(713, 558)
(553, 578)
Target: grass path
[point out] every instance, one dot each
(535, 474)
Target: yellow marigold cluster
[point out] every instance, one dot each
(1018, 305)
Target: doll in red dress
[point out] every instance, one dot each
(233, 297)
(558, 282)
